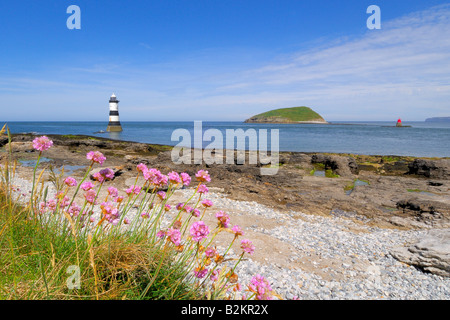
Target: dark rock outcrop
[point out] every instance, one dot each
(435, 169)
(417, 206)
(343, 166)
(3, 141)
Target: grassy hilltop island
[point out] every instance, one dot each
(288, 115)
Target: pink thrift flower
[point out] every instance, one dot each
(126, 221)
(141, 167)
(104, 175)
(42, 207)
(74, 210)
(185, 178)
(150, 174)
(203, 189)
(223, 218)
(247, 246)
(71, 182)
(161, 234)
(87, 185)
(237, 231)
(179, 206)
(203, 176)
(107, 173)
(64, 202)
(145, 215)
(207, 203)
(97, 176)
(110, 212)
(90, 196)
(261, 287)
(113, 192)
(167, 207)
(161, 195)
(210, 252)
(199, 231)
(155, 177)
(215, 275)
(200, 272)
(161, 180)
(133, 189)
(174, 177)
(96, 157)
(195, 213)
(51, 204)
(174, 236)
(42, 143)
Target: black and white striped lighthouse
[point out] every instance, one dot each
(114, 123)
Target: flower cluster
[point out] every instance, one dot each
(42, 143)
(96, 157)
(133, 190)
(104, 175)
(110, 212)
(187, 234)
(71, 182)
(203, 176)
(174, 236)
(154, 176)
(223, 219)
(199, 231)
(261, 287)
(247, 246)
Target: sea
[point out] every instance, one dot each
(417, 139)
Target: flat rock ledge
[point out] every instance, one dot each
(431, 253)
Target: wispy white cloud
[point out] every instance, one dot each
(402, 69)
(145, 45)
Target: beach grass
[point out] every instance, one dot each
(43, 260)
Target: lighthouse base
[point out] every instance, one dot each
(114, 128)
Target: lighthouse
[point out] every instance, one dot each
(114, 123)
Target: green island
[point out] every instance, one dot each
(288, 115)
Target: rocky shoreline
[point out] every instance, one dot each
(320, 236)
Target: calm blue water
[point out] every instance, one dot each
(423, 139)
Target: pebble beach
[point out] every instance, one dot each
(363, 267)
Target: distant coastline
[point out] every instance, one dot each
(438, 119)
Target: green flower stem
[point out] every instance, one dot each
(79, 184)
(32, 202)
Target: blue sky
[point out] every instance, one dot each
(224, 60)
